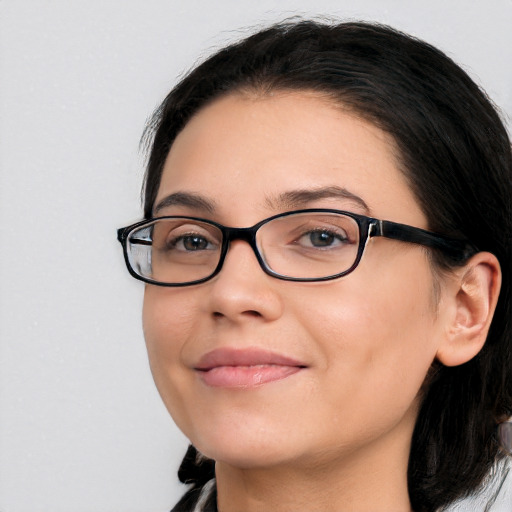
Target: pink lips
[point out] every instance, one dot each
(244, 368)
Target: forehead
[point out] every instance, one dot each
(242, 151)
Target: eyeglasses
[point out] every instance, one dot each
(303, 245)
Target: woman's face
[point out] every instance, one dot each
(298, 372)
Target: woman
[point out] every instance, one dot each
(323, 316)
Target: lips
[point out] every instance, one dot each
(245, 368)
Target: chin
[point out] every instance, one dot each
(244, 448)
(244, 457)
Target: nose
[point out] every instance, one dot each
(242, 290)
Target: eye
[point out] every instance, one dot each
(182, 236)
(322, 238)
(190, 242)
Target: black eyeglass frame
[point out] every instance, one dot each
(457, 250)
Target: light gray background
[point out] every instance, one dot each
(81, 426)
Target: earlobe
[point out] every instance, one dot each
(474, 295)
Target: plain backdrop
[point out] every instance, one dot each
(82, 428)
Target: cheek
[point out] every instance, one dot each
(161, 320)
(168, 323)
(377, 337)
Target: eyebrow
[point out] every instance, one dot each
(292, 199)
(187, 199)
(302, 197)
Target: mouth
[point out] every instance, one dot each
(245, 368)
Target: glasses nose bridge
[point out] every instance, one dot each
(245, 234)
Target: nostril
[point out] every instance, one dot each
(252, 312)
(249, 313)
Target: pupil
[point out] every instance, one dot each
(193, 243)
(321, 238)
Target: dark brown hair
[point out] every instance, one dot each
(456, 155)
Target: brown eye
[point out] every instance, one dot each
(194, 243)
(190, 243)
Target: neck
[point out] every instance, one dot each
(373, 477)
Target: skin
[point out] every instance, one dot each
(336, 435)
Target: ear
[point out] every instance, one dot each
(472, 293)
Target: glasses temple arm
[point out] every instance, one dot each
(459, 250)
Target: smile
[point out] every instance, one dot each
(248, 368)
